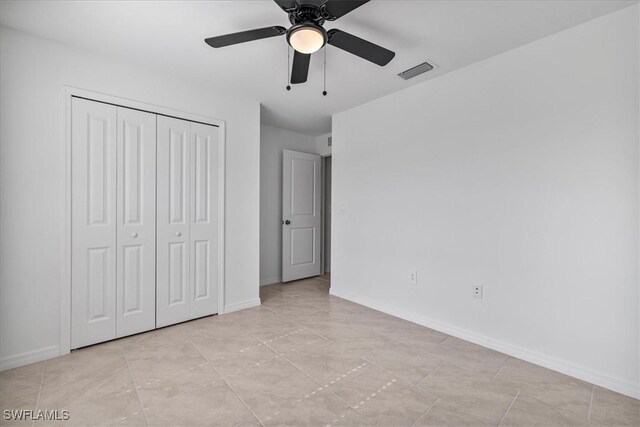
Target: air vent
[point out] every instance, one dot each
(329, 142)
(415, 71)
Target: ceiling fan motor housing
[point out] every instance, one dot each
(306, 13)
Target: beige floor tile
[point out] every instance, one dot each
(19, 390)
(275, 298)
(330, 303)
(111, 380)
(296, 340)
(249, 422)
(300, 401)
(165, 337)
(609, 408)
(219, 349)
(324, 361)
(306, 286)
(22, 379)
(261, 321)
(114, 408)
(567, 394)
(323, 320)
(243, 358)
(210, 328)
(259, 376)
(470, 356)
(528, 411)
(421, 338)
(296, 311)
(400, 359)
(84, 375)
(382, 397)
(351, 419)
(150, 364)
(283, 394)
(447, 414)
(198, 398)
(345, 334)
(82, 364)
(487, 400)
(24, 399)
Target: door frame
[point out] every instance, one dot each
(65, 288)
(323, 207)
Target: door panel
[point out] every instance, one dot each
(93, 223)
(98, 282)
(204, 219)
(173, 257)
(302, 186)
(301, 207)
(136, 190)
(132, 298)
(178, 275)
(302, 246)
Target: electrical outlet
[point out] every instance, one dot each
(413, 277)
(477, 291)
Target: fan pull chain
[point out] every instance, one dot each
(324, 92)
(288, 68)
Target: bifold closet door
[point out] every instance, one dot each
(136, 222)
(204, 219)
(93, 224)
(172, 275)
(187, 220)
(113, 222)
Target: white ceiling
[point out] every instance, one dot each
(169, 36)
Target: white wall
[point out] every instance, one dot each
(520, 173)
(272, 141)
(32, 171)
(322, 144)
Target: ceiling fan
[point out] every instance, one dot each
(306, 34)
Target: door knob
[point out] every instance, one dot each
(178, 234)
(134, 235)
(287, 222)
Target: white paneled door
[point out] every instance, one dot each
(93, 227)
(174, 151)
(205, 179)
(301, 215)
(136, 220)
(187, 220)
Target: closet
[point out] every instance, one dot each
(144, 244)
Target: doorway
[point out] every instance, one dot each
(306, 215)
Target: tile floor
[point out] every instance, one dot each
(306, 358)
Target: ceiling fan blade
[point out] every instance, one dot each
(300, 68)
(245, 36)
(360, 47)
(337, 8)
(287, 5)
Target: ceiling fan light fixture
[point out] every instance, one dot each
(307, 37)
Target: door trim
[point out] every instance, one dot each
(323, 211)
(65, 288)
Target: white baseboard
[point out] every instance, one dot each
(603, 380)
(270, 281)
(29, 357)
(230, 308)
